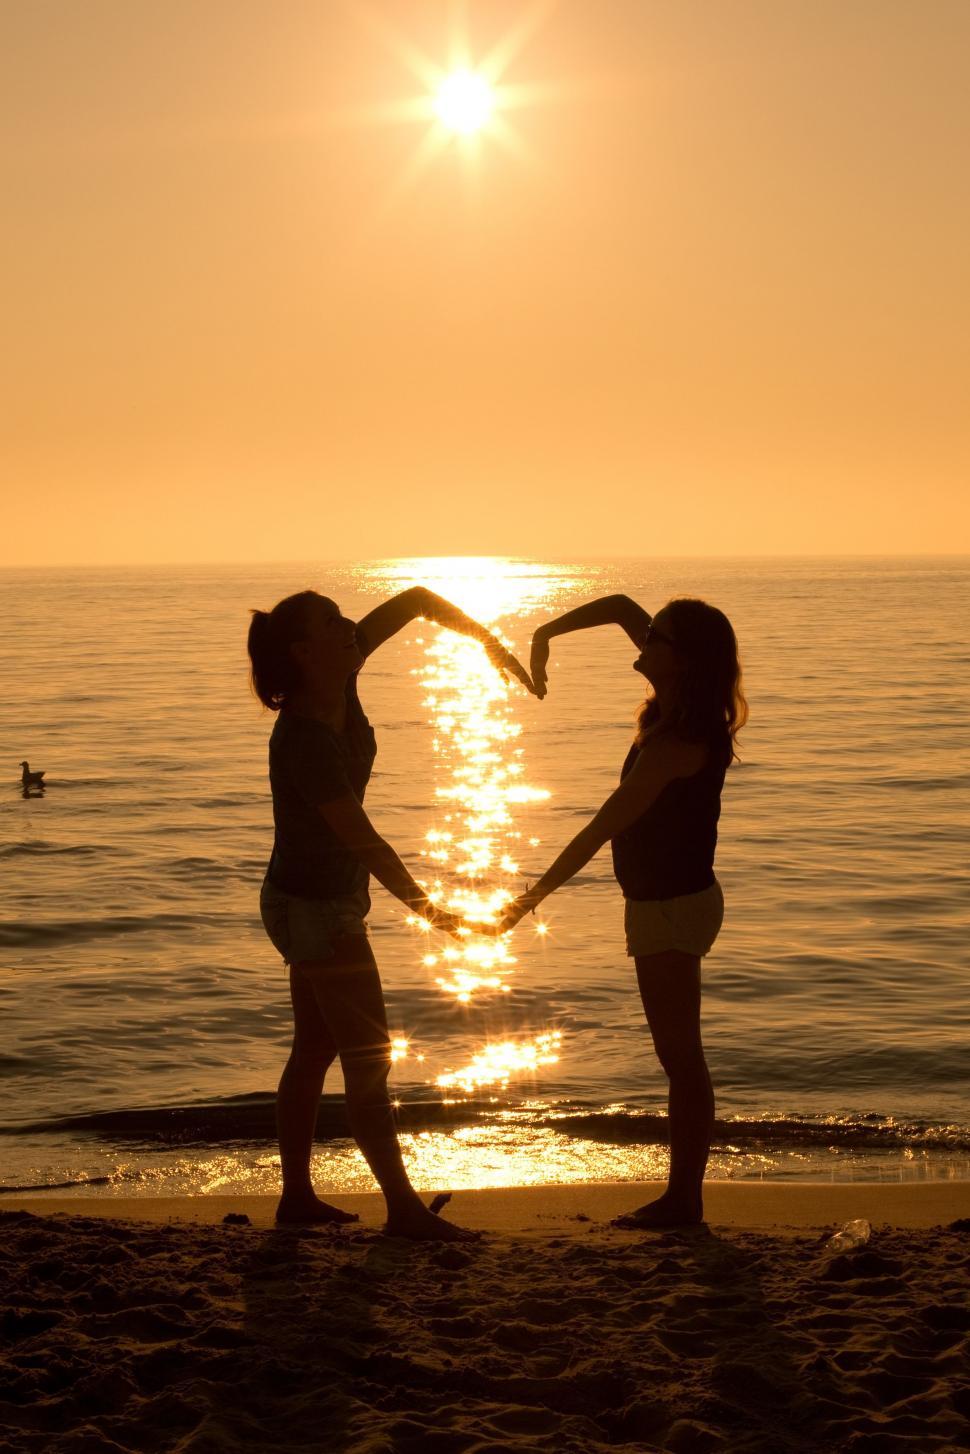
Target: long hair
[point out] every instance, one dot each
(274, 673)
(711, 705)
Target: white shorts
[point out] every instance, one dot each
(689, 923)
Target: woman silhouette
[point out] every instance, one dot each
(305, 659)
(662, 820)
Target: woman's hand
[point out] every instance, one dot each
(447, 922)
(604, 611)
(511, 915)
(538, 661)
(506, 664)
(526, 903)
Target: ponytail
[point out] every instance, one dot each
(274, 673)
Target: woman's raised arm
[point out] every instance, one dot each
(616, 610)
(418, 603)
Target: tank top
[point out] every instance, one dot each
(310, 764)
(669, 850)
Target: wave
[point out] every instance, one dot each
(228, 800)
(870, 1133)
(59, 1185)
(253, 1118)
(248, 1118)
(68, 783)
(929, 782)
(195, 868)
(40, 849)
(72, 931)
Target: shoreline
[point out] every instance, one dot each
(768, 1206)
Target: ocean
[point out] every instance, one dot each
(145, 1016)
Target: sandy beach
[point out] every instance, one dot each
(140, 1324)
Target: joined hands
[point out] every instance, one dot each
(460, 928)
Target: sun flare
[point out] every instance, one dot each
(464, 102)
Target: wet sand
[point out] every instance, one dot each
(141, 1324)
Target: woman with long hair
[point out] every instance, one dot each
(662, 822)
(305, 657)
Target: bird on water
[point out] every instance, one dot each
(31, 779)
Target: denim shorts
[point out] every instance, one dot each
(689, 923)
(307, 929)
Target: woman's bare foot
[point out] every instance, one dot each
(307, 1208)
(416, 1222)
(666, 1211)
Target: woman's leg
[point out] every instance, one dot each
(670, 987)
(350, 1000)
(297, 1102)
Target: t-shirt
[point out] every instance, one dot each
(310, 764)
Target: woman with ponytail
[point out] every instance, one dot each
(305, 658)
(662, 821)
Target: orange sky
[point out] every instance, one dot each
(707, 294)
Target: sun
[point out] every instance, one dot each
(464, 102)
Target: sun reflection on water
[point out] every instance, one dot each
(472, 846)
(488, 587)
(496, 1064)
(483, 799)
